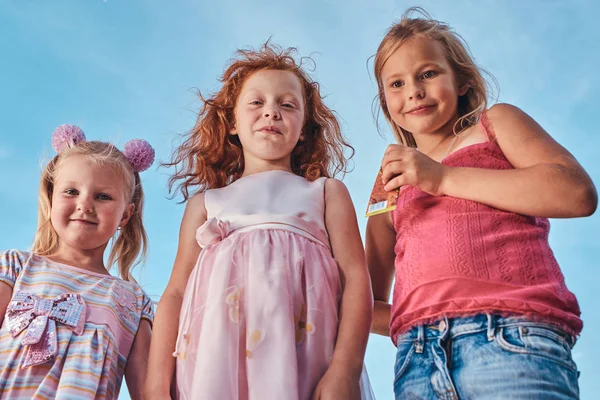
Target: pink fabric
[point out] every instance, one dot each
(260, 312)
(457, 257)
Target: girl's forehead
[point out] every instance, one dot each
(414, 54)
(277, 81)
(422, 49)
(83, 167)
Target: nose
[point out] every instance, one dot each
(85, 205)
(416, 91)
(272, 112)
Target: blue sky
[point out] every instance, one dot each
(127, 69)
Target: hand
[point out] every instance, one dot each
(337, 385)
(402, 165)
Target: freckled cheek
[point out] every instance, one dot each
(448, 90)
(394, 106)
(58, 211)
(392, 102)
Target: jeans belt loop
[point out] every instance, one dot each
(491, 327)
(419, 342)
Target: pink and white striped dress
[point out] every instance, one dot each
(67, 332)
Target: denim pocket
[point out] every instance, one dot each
(538, 341)
(406, 350)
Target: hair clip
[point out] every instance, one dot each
(65, 136)
(138, 152)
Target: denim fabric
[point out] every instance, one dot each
(485, 357)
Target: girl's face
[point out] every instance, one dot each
(89, 203)
(420, 87)
(269, 116)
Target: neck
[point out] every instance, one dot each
(91, 260)
(253, 165)
(437, 142)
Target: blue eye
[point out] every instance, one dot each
(288, 105)
(103, 196)
(255, 102)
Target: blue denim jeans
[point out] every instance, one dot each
(485, 357)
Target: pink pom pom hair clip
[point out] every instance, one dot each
(137, 151)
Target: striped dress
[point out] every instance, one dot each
(78, 328)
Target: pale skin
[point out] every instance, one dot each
(275, 98)
(89, 204)
(547, 181)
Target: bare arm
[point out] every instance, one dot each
(547, 180)
(5, 296)
(137, 362)
(161, 364)
(380, 243)
(356, 303)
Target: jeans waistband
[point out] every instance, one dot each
(450, 328)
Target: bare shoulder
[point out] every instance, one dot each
(507, 119)
(338, 203)
(335, 187)
(503, 110)
(195, 208)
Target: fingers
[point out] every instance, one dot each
(395, 183)
(396, 152)
(393, 152)
(391, 169)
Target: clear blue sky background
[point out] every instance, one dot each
(126, 69)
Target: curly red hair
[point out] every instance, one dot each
(210, 157)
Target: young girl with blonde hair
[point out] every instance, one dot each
(480, 308)
(69, 328)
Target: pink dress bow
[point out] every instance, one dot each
(212, 231)
(38, 316)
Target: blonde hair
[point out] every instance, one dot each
(471, 104)
(132, 239)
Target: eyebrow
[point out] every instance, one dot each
(427, 64)
(68, 184)
(258, 91)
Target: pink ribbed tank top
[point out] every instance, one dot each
(457, 257)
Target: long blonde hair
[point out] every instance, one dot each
(131, 240)
(471, 104)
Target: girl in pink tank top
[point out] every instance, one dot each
(479, 307)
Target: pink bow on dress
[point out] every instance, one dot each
(212, 231)
(39, 317)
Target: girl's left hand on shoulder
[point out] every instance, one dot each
(337, 385)
(403, 165)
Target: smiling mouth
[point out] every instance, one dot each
(419, 109)
(84, 221)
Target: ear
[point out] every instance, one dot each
(233, 131)
(462, 90)
(127, 214)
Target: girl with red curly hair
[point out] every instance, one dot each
(269, 297)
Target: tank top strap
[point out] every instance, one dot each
(486, 127)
